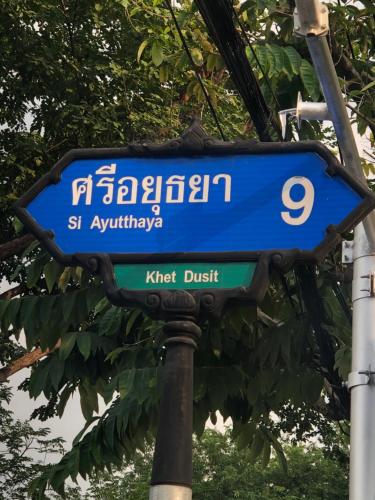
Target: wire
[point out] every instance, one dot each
(198, 76)
(348, 38)
(255, 56)
(219, 20)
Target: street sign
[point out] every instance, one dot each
(169, 203)
(194, 214)
(178, 276)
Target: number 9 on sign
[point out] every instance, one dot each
(306, 202)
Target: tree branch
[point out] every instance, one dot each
(12, 292)
(25, 361)
(15, 246)
(344, 66)
(364, 117)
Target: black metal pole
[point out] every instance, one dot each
(172, 467)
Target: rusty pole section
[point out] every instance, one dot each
(172, 466)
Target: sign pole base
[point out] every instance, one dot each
(172, 466)
(169, 492)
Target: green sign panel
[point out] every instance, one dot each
(184, 276)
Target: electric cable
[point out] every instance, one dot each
(193, 65)
(348, 37)
(267, 80)
(218, 18)
(341, 300)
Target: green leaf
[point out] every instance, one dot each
(219, 64)
(49, 334)
(80, 310)
(93, 297)
(368, 86)
(84, 344)
(89, 399)
(141, 48)
(52, 272)
(10, 314)
(68, 302)
(47, 309)
(16, 272)
(56, 371)
(157, 54)
(3, 307)
(109, 432)
(271, 62)
(294, 58)
(64, 396)
(67, 343)
(113, 355)
(38, 379)
(64, 279)
(126, 380)
(110, 322)
(279, 56)
(101, 305)
(197, 56)
(34, 271)
(164, 73)
(18, 226)
(262, 55)
(183, 61)
(78, 437)
(27, 309)
(84, 460)
(343, 361)
(131, 320)
(309, 79)
(30, 248)
(211, 61)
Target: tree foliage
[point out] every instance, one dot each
(91, 74)
(223, 470)
(23, 450)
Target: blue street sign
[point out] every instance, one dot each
(260, 199)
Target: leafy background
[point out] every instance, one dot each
(90, 74)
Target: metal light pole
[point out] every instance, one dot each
(311, 21)
(361, 379)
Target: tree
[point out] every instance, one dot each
(222, 470)
(20, 445)
(77, 74)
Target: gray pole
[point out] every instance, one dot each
(362, 435)
(361, 379)
(326, 72)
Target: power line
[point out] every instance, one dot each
(348, 38)
(267, 80)
(218, 18)
(198, 76)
